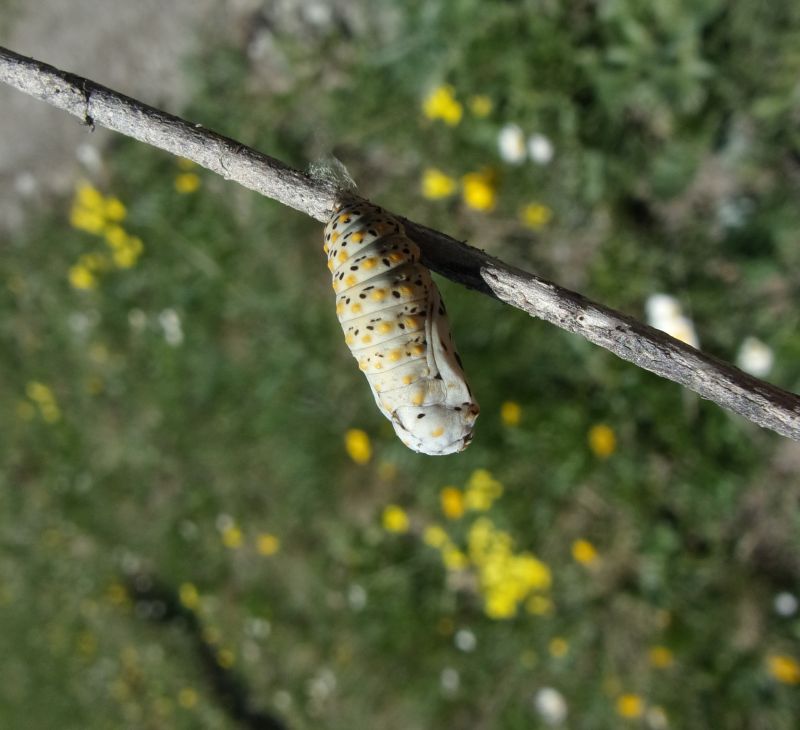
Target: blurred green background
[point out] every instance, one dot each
(204, 520)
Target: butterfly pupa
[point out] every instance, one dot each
(395, 324)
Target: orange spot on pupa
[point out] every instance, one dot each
(379, 295)
(344, 218)
(379, 365)
(406, 291)
(340, 308)
(342, 256)
(368, 264)
(396, 256)
(410, 323)
(349, 340)
(357, 237)
(384, 328)
(330, 265)
(417, 398)
(350, 280)
(418, 349)
(366, 339)
(437, 432)
(395, 355)
(335, 236)
(408, 379)
(355, 308)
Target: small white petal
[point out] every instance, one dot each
(540, 149)
(356, 597)
(511, 143)
(755, 357)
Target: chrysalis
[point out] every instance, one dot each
(395, 324)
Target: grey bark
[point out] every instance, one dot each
(713, 379)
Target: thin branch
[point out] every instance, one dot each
(631, 340)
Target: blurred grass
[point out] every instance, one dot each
(169, 461)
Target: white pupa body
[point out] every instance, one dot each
(395, 324)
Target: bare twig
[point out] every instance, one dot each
(631, 340)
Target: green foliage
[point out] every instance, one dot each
(203, 394)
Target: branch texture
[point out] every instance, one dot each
(713, 379)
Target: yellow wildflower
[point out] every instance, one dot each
(602, 440)
(88, 196)
(452, 502)
(480, 190)
(584, 552)
(558, 647)
(268, 544)
(358, 446)
(511, 413)
(116, 236)
(630, 706)
(94, 261)
(539, 606)
(480, 105)
(500, 605)
(453, 558)
(441, 104)
(784, 668)
(189, 596)
(435, 536)
(660, 657)
(226, 658)
(45, 400)
(482, 490)
(187, 698)
(395, 519)
(436, 185)
(535, 215)
(232, 537)
(114, 209)
(187, 182)
(86, 220)
(80, 277)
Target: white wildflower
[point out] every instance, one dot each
(465, 640)
(511, 142)
(137, 319)
(89, 156)
(551, 705)
(540, 149)
(356, 597)
(171, 324)
(450, 681)
(785, 604)
(664, 313)
(755, 357)
(656, 718)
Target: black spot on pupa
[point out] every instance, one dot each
(458, 360)
(401, 326)
(354, 268)
(457, 408)
(356, 332)
(396, 294)
(362, 296)
(438, 376)
(386, 262)
(370, 327)
(420, 415)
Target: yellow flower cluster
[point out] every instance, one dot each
(233, 538)
(479, 189)
(480, 105)
(358, 446)
(506, 579)
(452, 503)
(441, 103)
(660, 657)
(482, 491)
(101, 216)
(630, 706)
(44, 400)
